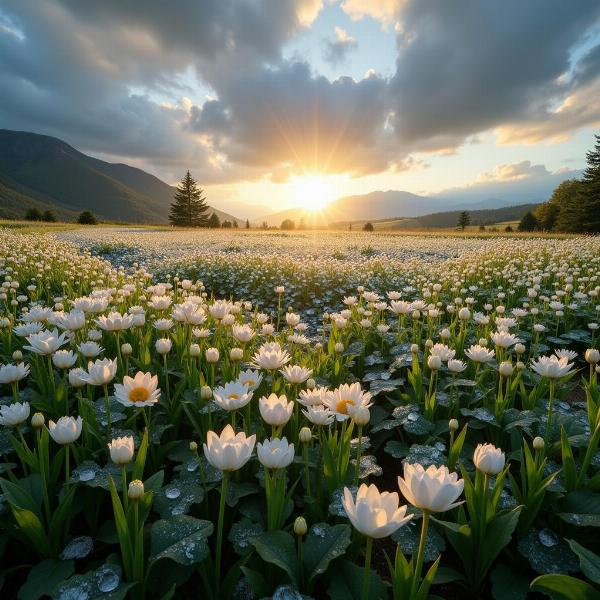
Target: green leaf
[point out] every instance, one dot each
(180, 538)
(580, 520)
(347, 580)
(31, 526)
(140, 461)
(44, 577)
(257, 582)
(564, 587)
(105, 583)
(588, 560)
(498, 534)
(322, 545)
(279, 549)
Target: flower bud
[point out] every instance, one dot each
(205, 392)
(18, 356)
(361, 416)
(339, 347)
(300, 526)
(194, 350)
(193, 446)
(428, 343)
(538, 443)
(305, 435)
(520, 348)
(126, 349)
(136, 489)
(453, 424)
(311, 384)
(592, 356)
(506, 369)
(212, 355)
(483, 342)
(37, 420)
(236, 354)
(434, 362)
(163, 345)
(520, 365)
(414, 348)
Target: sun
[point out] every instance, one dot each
(312, 192)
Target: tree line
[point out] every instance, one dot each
(574, 205)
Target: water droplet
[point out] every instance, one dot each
(87, 475)
(178, 510)
(192, 466)
(318, 531)
(79, 592)
(172, 493)
(548, 538)
(107, 579)
(412, 416)
(78, 547)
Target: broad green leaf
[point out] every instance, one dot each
(588, 560)
(508, 584)
(183, 539)
(324, 543)
(44, 577)
(564, 587)
(347, 580)
(278, 548)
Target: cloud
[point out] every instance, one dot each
(336, 50)
(518, 182)
(205, 84)
(384, 11)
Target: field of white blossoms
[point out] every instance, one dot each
(313, 415)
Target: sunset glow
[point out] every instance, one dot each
(312, 192)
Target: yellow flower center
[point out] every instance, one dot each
(233, 397)
(138, 394)
(342, 406)
(248, 382)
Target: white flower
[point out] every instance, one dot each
(232, 396)
(243, 333)
(489, 459)
(251, 379)
(456, 366)
(339, 399)
(503, 339)
(275, 410)
(121, 450)
(442, 351)
(64, 359)
(115, 321)
(76, 377)
(46, 342)
(100, 372)
(434, 489)
(313, 397)
(479, 354)
(90, 349)
(12, 415)
(565, 353)
(13, 373)
(228, 452)
(551, 367)
(73, 320)
(66, 430)
(374, 514)
(296, 374)
(270, 356)
(275, 453)
(319, 415)
(163, 345)
(141, 390)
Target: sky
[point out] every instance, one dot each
(278, 103)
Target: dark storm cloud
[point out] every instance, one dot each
(111, 77)
(465, 66)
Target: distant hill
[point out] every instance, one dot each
(392, 204)
(46, 173)
(446, 219)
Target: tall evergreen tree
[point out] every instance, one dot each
(189, 208)
(247, 224)
(589, 193)
(464, 219)
(214, 222)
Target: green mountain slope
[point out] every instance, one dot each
(45, 172)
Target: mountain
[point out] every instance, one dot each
(381, 205)
(46, 173)
(445, 219)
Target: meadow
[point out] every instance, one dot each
(249, 414)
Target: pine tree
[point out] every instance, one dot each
(247, 224)
(214, 222)
(189, 208)
(588, 212)
(528, 222)
(464, 219)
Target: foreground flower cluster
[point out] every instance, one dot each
(161, 438)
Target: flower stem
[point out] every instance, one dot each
(420, 554)
(358, 453)
(220, 533)
(107, 405)
(367, 571)
(549, 420)
(67, 468)
(124, 486)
